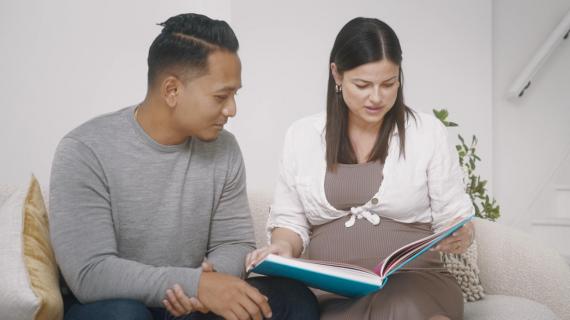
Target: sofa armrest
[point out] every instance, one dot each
(511, 263)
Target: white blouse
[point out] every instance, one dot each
(424, 186)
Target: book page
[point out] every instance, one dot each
(407, 253)
(338, 264)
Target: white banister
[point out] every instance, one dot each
(523, 81)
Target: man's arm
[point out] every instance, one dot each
(83, 236)
(231, 231)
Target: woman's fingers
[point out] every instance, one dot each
(453, 244)
(256, 256)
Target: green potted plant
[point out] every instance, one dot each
(485, 207)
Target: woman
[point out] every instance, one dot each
(368, 177)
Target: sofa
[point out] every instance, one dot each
(522, 278)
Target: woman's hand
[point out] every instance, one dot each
(280, 248)
(459, 241)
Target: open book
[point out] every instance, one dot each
(348, 280)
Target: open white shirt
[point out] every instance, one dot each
(424, 186)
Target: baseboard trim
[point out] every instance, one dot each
(554, 222)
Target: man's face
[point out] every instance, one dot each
(205, 103)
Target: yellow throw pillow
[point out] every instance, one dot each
(29, 286)
(39, 257)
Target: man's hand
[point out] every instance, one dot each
(459, 241)
(178, 304)
(231, 297)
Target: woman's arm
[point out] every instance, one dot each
(288, 240)
(448, 199)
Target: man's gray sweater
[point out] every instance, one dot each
(129, 217)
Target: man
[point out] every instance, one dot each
(148, 208)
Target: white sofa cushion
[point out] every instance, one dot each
(499, 307)
(514, 264)
(17, 300)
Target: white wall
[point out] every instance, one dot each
(531, 139)
(64, 62)
(285, 47)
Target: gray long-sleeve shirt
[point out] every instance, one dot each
(129, 217)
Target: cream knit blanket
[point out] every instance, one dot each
(465, 269)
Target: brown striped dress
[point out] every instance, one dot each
(421, 290)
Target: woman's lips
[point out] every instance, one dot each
(373, 110)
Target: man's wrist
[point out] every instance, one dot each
(202, 283)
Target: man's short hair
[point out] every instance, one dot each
(184, 44)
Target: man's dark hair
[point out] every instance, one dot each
(185, 42)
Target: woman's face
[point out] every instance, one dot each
(369, 90)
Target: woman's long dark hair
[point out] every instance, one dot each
(361, 41)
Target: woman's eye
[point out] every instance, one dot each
(221, 98)
(389, 85)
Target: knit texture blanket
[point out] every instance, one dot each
(465, 269)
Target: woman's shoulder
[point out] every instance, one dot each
(305, 136)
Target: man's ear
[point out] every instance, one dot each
(170, 90)
(337, 77)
